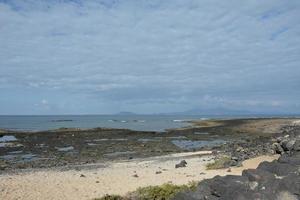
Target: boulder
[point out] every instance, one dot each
(240, 149)
(277, 148)
(293, 159)
(253, 185)
(258, 175)
(287, 144)
(234, 158)
(233, 163)
(296, 146)
(277, 168)
(279, 139)
(182, 163)
(291, 183)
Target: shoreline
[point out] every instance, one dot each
(73, 147)
(194, 123)
(116, 178)
(107, 164)
(252, 143)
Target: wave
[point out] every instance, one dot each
(127, 121)
(178, 120)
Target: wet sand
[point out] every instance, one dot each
(115, 178)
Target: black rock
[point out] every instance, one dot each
(135, 175)
(291, 183)
(182, 163)
(277, 148)
(277, 168)
(287, 144)
(293, 159)
(279, 179)
(233, 163)
(234, 158)
(258, 175)
(296, 146)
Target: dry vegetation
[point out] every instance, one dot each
(219, 163)
(162, 192)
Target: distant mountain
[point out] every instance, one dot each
(220, 111)
(213, 112)
(126, 113)
(217, 111)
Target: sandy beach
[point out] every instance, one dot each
(114, 177)
(149, 100)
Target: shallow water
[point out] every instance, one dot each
(107, 139)
(69, 148)
(177, 137)
(28, 156)
(15, 152)
(92, 144)
(10, 144)
(8, 138)
(149, 140)
(201, 133)
(22, 157)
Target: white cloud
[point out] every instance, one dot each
(152, 51)
(44, 102)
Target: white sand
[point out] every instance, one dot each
(297, 122)
(116, 178)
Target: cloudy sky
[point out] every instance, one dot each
(148, 56)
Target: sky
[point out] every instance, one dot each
(149, 56)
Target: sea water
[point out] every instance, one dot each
(134, 122)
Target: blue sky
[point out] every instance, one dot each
(107, 56)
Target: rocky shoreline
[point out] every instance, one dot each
(277, 180)
(252, 141)
(240, 139)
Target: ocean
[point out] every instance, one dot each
(134, 122)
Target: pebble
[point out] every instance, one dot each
(135, 175)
